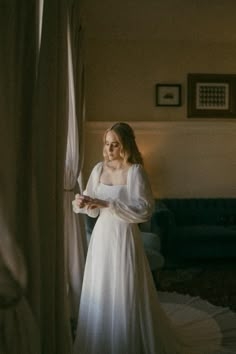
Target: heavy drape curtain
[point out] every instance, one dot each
(17, 68)
(34, 104)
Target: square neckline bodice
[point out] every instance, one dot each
(114, 185)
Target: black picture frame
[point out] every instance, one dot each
(168, 95)
(211, 95)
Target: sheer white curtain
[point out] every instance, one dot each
(75, 240)
(49, 131)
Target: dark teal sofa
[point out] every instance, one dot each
(196, 228)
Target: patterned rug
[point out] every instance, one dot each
(212, 281)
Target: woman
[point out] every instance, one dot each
(120, 312)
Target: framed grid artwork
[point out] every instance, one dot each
(211, 95)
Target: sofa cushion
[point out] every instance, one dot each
(203, 233)
(151, 240)
(199, 227)
(203, 211)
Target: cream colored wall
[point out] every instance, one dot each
(184, 157)
(121, 75)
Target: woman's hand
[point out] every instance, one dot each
(97, 203)
(83, 201)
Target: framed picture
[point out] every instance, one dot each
(168, 95)
(211, 95)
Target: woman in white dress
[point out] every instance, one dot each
(120, 311)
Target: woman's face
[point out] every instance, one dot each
(112, 146)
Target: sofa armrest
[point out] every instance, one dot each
(163, 222)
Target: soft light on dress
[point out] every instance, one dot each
(120, 309)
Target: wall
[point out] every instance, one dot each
(121, 75)
(184, 157)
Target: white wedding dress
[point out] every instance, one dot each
(120, 309)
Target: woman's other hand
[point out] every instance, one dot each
(83, 201)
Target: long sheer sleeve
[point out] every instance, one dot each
(90, 191)
(140, 203)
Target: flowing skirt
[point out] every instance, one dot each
(122, 313)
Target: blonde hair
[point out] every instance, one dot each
(129, 149)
